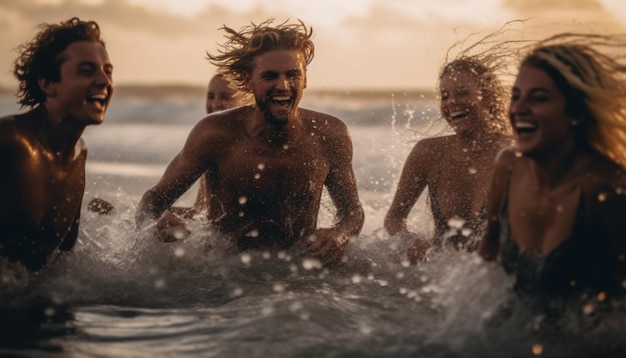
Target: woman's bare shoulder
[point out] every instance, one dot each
(507, 157)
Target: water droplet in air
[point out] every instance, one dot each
(456, 223)
(245, 258)
(310, 264)
(180, 234)
(588, 309)
(296, 306)
(159, 283)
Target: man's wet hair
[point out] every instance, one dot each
(235, 57)
(40, 58)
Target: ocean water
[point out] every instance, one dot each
(121, 293)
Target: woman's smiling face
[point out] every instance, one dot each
(537, 113)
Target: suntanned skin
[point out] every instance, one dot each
(460, 166)
(547, 173)
(43, 158)
(220, 96)
(266, 166)
(462, 183)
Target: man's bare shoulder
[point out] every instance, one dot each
(229, 122)
(323, 122)
(8, 129)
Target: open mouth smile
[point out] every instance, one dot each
(460, 114)
(525, 127)
(98, 98)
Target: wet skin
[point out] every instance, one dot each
(43, 156)
(457, 168)
(549, 174)
(266, 166)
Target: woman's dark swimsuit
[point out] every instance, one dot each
(583, 263)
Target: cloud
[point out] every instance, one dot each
(540, 6)
(144, 45)
(567, 15)
(386, 43)
(149, 46)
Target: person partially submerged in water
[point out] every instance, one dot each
(266, 164)
(65, 77)
(220, 95)
(457, 168)
(556, 216)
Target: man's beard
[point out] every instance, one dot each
(265, 106)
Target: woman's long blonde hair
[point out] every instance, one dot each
(590, 69)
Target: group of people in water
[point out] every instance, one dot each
(535, 173)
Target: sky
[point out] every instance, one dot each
(359, 44)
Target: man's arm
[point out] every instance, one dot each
(180, 174)
(329, 243)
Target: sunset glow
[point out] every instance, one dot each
(359, 43)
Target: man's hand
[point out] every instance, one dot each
(170, 228)
(327, 246)
(418, 250)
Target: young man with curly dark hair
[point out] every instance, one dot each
(65, 78)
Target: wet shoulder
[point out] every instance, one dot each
(8, 128)
(434, 146)
(222, 124)
(11, 133)
(15, 142)
(507, 159)
(323, 123)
